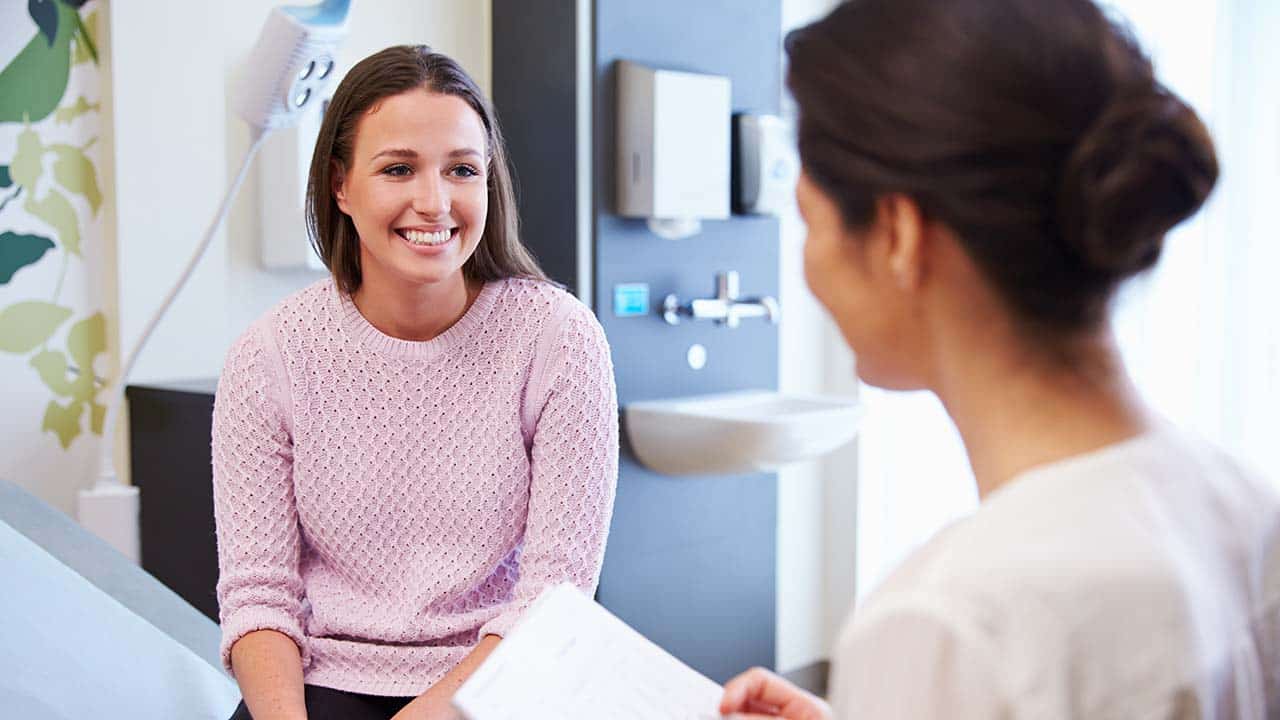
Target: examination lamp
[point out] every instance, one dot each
(286, 75)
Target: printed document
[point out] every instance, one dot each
(570, 659)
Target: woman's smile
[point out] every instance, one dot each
(427, 241)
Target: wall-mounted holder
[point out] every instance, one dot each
(282, 184)
(765, 164)
(737, 432)
(284, 87)
(674, 228)
(726, 308)
(673, 150)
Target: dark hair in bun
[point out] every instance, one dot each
(1035, 129)
(1145, 166)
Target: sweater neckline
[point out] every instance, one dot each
(359, 329)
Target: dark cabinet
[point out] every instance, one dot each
(169, 431)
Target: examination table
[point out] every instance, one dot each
(85, 633)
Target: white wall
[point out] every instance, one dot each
(1200, 334)
(816, 501)
(178, 145)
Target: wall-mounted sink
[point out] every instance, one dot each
(738, 432)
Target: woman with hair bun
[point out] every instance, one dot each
(979, 177)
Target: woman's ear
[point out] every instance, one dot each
(338, 174)
(903, 221)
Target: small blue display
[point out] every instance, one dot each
(630, 299)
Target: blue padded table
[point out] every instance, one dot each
(86, 633)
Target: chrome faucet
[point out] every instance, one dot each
(725, 308)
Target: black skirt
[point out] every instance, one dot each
(328, 704)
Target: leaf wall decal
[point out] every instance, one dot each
(18, 251)
(87, 340)
(52, 368)
(45, 15)
(85, 47)
(75, 172)
(77, 109)
(63, 420)
(32, 84)
(25, 325)
(56, 210)
(26, 165)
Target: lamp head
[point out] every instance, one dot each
(292, 64)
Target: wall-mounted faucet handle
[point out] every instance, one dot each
(765, 307)
(725, 308)
(727, 285)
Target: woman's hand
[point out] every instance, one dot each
(434, 704)
(758, 693)
(437, 702)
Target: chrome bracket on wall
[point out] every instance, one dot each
(726, 308)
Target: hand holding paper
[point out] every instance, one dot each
(570, 659)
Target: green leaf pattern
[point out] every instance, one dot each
(85, 47)
(63, 421)
(74, 172)
(52, 367)
(26, 325)
(33, 83)
(25, 168)
(85, 342)
(56, 210)
(18, 251)
(80, 108)
(43, 178)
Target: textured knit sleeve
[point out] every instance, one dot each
(259, 586)
(574, 467)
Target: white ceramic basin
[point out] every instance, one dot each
(750, 431)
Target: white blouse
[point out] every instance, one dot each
(1138, 581)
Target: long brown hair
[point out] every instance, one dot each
(1033, 129)
(398, 69)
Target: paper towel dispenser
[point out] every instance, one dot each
(673, 147)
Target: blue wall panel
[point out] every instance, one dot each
(691, 561)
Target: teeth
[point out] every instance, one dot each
(417, 237)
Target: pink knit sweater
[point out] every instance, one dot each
(386, 503)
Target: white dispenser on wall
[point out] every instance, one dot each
(284, 88)
(282, 183)
(767, 164)
(673, 135)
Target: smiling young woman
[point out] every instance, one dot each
(407, 453)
